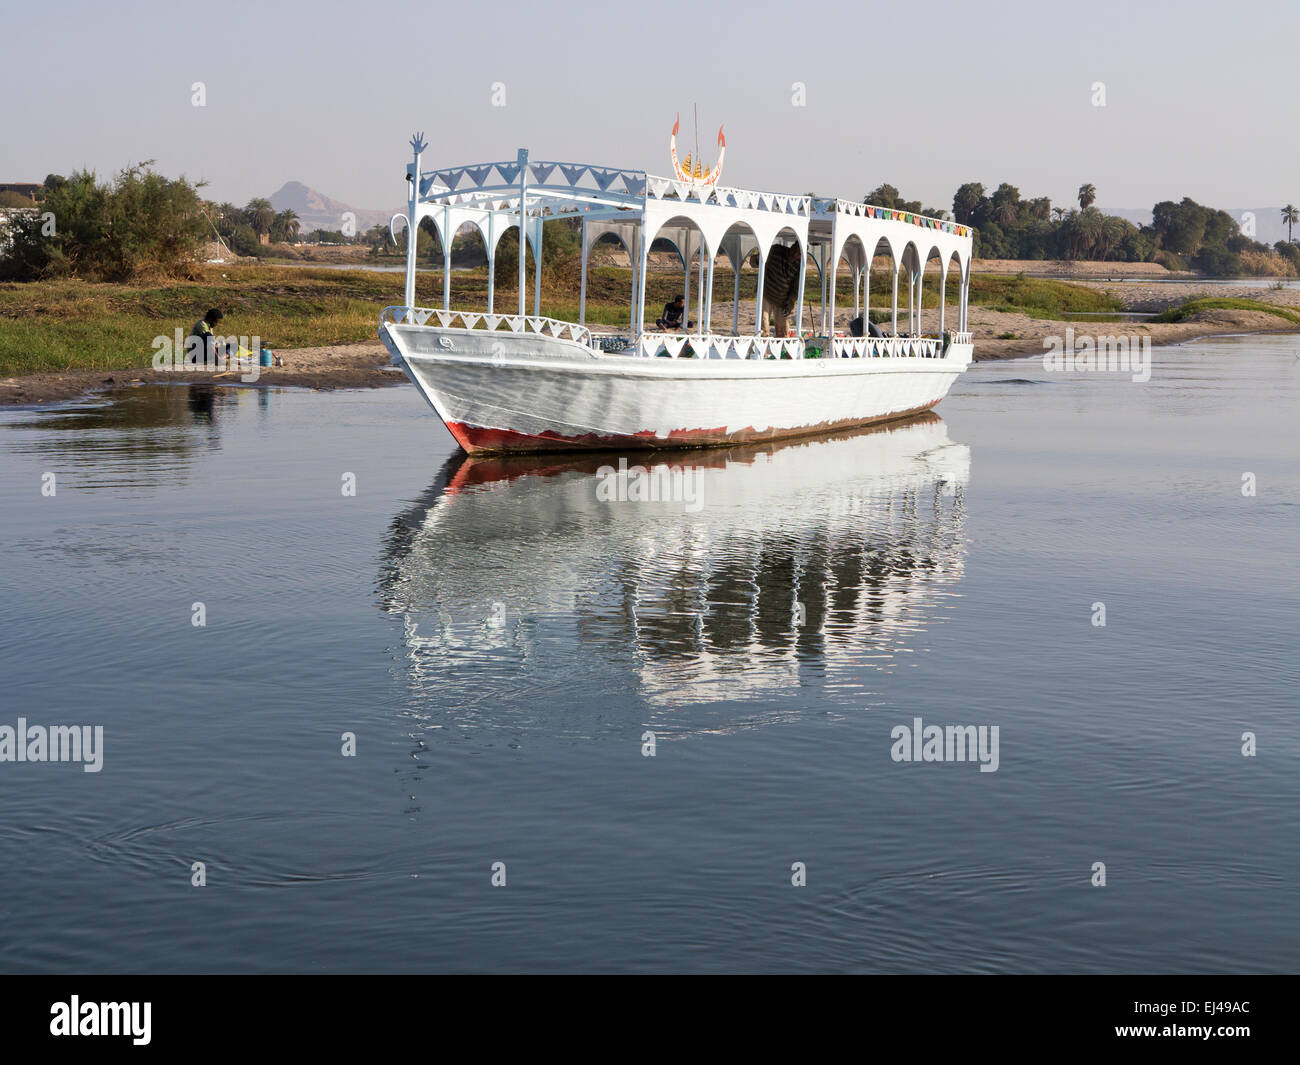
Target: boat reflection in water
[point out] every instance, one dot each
(536, 593)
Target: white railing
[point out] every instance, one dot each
(677, 345)
(505, 323)
(888, 214)
(885, 348)
(714, 346)
(494, 186)
(542, 173)
(663, 188)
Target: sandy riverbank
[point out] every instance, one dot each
(1030, 333)
(1075, 270)
(364, 365)
(990, 327)
(1136, 296)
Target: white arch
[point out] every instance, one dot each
(688, 239)
(738, 242)
(879, 239)
(712, 221)
(627, 234)
(933, 252)
(802, 245)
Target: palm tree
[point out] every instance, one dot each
(261, 216)
(966, 200)
(1290, 217)
(285, 226)
(1087, 196)
(1109, 233)
(1071, 237)
(1092, 228)
(1005, 213)
(1059, 212)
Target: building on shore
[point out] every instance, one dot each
(27, 190)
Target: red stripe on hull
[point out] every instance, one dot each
(477, 439)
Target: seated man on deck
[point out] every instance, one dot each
(671, 321)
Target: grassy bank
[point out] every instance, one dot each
(1185, 310)
(1038, 297)
(63, 325)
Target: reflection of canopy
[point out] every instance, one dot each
(861, 533)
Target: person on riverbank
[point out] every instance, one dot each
(203, 329)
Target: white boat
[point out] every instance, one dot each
(525, 382)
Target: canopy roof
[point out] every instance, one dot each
(696, 215)
(485, 192)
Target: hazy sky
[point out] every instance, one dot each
(1200, 98)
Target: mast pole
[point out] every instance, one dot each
(696, 158)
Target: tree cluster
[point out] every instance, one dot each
(140, 223)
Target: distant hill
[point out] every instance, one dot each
(1268, 220)
(315, 210)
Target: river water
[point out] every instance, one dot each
(659, 715)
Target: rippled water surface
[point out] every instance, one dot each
(499, 637)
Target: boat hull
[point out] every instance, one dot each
(499, 392)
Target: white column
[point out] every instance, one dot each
(943, 291)
(446, 258)
(830, 301)
(686, 298)
(866, 297)
(735, 298)
(826, 269)
(410, 259)
(522, 159)
(582, 289)
(634, 256)
(894, 327)
(706, 315)
(701, 320)
(411, 230)
(412, 225)
(758, 293)
(537, 272)
(638, 310)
